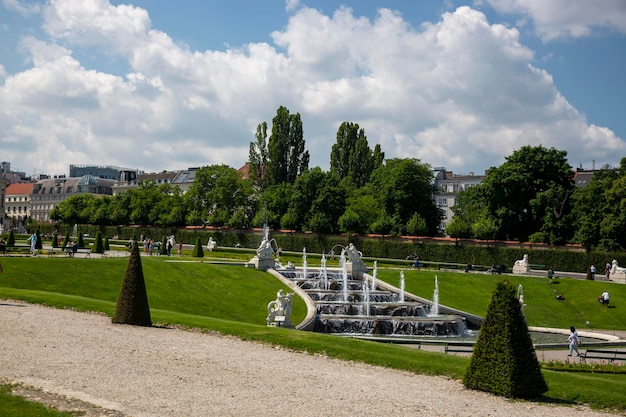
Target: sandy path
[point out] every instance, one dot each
(166, 372)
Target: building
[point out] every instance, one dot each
(448, 185)
(17, 205)
(12, 177)
(104, 171)
(48, 193)
(3, 187)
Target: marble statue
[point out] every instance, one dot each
(279, 310)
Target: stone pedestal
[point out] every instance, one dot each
(521, 269)
(356, 268)
(618, 277)
(263, 264)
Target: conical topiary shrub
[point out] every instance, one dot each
(106, 243)
(39, 243)
(11, 239)
(198, 252)
(132, 302)
(81, 241)
(504, 361)
(98, 245)
(66, 240)
(164, 246)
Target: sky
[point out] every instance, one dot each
(164, 85)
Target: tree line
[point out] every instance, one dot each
(531, 196)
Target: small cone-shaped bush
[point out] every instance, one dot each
(11, 239)
(106, 243)
(98, 245)
(132, 302)
(55, 241)
(198, 252)
(81, 241)
(66, 239)
(164, 246)
(39, 243)
(504, 361)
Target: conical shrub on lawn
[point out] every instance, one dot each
(198, 252)
(98, 245)
(132, 303)
(504, 361)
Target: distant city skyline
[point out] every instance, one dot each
(167, 86)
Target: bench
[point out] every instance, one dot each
(459, 347)
(536, 266)
(610, 355)
(17, 250)
(68, 251)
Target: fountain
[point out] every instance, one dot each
(520, 297)
(344, 274)
(350, 302)
(304, 271)
(374, 275)
(434, 310)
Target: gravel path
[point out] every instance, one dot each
(149, 372)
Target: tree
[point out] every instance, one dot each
(132, 302)
(217, 192)
(459, 228)
(11, 239)
(286, 156)
(504, 361)
(98, 245)
(351, 156)
(106, 245)
(416, 226)
(405, 187)
(81, 240)
(533, 183)
(66, 240)
(39, 242)
(258, 156)
(198, 252)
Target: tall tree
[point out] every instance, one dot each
(286, 156)
(258, 158)
(351, 156)
(530, 185)
(405, 186)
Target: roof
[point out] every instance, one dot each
(20, 188)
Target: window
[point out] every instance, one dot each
(443, 202)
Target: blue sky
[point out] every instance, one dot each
(160, 85)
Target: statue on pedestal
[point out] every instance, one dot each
(279, 310)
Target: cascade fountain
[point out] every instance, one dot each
(352, 303)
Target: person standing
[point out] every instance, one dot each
(607, 270)
(574, 341)
(33, 243)
(593, 272)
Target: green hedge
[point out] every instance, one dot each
(486, 253)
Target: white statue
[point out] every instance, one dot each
(353, 254)
(265, 250)
(616, 269)
(279, 310)
(211, 244)
(522, 262)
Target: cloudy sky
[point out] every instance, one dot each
(157, 85)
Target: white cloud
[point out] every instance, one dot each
(567, 18)
(459, 92)
(25, 9)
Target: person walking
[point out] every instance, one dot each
(574, 341)
(33, 243)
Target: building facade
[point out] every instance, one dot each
(448, 186)
(48, 193)
(17, 205)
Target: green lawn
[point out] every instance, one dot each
(233, 300)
